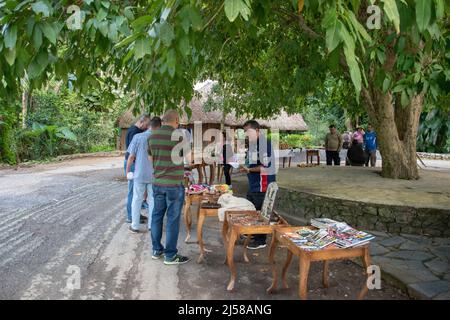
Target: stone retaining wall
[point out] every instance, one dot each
(392, 219)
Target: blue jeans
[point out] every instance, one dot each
(130, 190)
(138, 197)
(167, 200)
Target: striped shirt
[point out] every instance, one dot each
(166, 172)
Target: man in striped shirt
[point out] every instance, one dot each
(168, 190)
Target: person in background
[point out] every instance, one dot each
(143, 174)
(358, 135)
(347, 139)
(356, 155)
(333, 144)
(227, 152)
(168, 189)
(261, 171)
(370, 146)
(140, 126)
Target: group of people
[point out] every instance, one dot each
(361, 147)
(155, 179)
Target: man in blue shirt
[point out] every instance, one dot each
(143, 174)
(370, 146)
(261, 170)
(140, 126)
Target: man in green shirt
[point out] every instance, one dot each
(333, 145)
(168, 190)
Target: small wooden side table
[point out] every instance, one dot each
(232, 229)
(306, 257)
(203, 213)
(190, 199)
(312, 153)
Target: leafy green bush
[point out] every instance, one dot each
(434, 132)
(43, 141)
(298, 140)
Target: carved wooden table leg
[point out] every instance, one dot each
(304, 264)
(366, 263)
(246, 242)
(273, 246)
(187, 217)
(285, 268)
(325, 274)
(225, 237)
(201, 220)
(230, 259)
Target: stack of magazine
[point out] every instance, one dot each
(330, 234)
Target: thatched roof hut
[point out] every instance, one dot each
(282, 121)
(213, 119)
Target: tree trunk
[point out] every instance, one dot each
(24, 109)
(396, 128)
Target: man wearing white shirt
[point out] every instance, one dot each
(143, 174)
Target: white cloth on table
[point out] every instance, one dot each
(229, 202)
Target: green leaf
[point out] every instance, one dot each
(423, 14)
(103, 27)
(112, 32)
(183, 46)
(346, 37)
(10, 55)
(49, 32)
(141, 21)
(355, 72)
(166, 33)
(128, 40)
(440, 8)
(404, 99)
(128, 13)
(332, 38)
(386, 84)
(11, 37)
(37, 37)
(196, 18)
(235, 7)
(359, 28)
(66, 133)
(142, 46)
(41, 7)
(391, 10)
(101, 14)
(38, 65)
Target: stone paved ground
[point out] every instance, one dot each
(417, 264)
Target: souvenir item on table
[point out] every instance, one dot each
(197, 188)
(309, 240)
(188, 174)
(247, 220)
(269, 200)
(220, 188)
(232, 203)
(330, 233)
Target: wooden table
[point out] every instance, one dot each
(306, 257)
(312, 153)
(232, 230)
(190, 199)
(203, 213)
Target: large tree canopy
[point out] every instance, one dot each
(269, 54)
